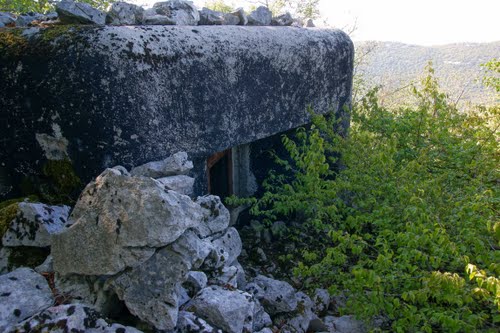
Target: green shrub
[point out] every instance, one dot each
(406, 226)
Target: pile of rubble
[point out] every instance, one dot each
(137, 243)
(171, 12)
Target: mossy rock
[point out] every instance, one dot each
(8, 211)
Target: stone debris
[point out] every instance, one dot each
(35, 225)
(23, 293)
(71, 12)
(119, 221)
(122, 13)
(7, 19)
(70, 318)
(344, 324)
(170, 260)
(177, 164)
(230, 310)
(261, 16)
(181, 183)
(276, 296)
(171, 12)
(177, 12)
(282, 20)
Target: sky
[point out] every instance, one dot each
(423, 22)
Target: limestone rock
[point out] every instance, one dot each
(26, 19)
(47, 266)
(91, 290)
(35, 224)
(276, 296)
(119, 221)
(156, 284)
(309, 24)
(195, 282)
(150, 291)
(6, 19)
(158, 20)
(226, 249)
(304, 319)
(261, 318)
(70, 318)
(321, 301)
(261, 16)
(23, 293)
(4, 260)
(211, 17)
(181, 184)
(189, 322)
(79, 13)
(283, 20)
(215, 216)
(179, 12)
(241, 15)
(344, 324)
(226, 277)
(230, 310)
(231, 19)
(177, 164)
(122, 13)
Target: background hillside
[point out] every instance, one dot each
(395, 65)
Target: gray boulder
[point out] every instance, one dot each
(215, 216)
(177, 164)
(35, 224)
(70, 318)
(91, 290)
(157, 20)
(79, 13)
(179, 12)
(231, 19)
(151, 290)
(122, 13)
(4, 259)
(276, 296)
(241, 15)
(226, 277)
(195, 282)
(211, 17)
(321, 301)
(344, 324)
(304, 319)
(181, 184)
(309, 23)
(283, 20)
(226, 249)
(261, 318)
(156, 284)
(47, 266)
(6, 19)
(119, 222)
(24, 20)
(188, 322)
(23, 293)
(260, 16)
(230, 310)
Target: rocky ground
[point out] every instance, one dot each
(137, 253)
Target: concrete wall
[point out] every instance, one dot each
(103, 96)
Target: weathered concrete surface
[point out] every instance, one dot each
(128, 95)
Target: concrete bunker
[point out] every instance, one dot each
(126, 95)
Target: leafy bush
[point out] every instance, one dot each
(406, 225)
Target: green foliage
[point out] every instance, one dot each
(493, 78)
(219, 5)
(406, 223)
(44, 6)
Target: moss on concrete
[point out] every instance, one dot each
(61, 174)
(12, 42)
